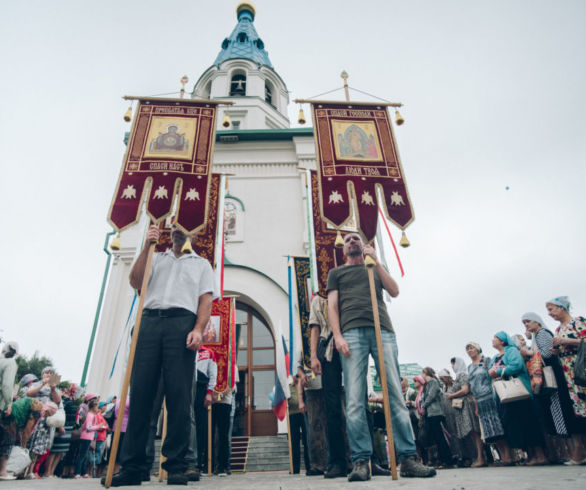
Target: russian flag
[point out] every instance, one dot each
(281, 391)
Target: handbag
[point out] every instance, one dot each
(58, 418)
(458, 403)
(510, 390)
(580, 365)
(322, 347)
(549, 382)
(18, 461)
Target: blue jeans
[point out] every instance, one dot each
(362, 342)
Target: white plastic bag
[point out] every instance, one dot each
(18, 461)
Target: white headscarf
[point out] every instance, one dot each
(459, 366)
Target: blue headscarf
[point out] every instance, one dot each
(508, 341)
(561, 301)
(533, 317)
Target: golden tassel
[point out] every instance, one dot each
(226, 121)
(404, 241)
(398, 118)
(339, 243)
(115, 244)
(186, 249)
(301, 118)
(128, 114)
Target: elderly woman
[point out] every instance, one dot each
(519, 418)
(485, 406)
(456, 445)
(568, 335)
(8, 369)
(45, 391)
(434, 415)
(464, 408)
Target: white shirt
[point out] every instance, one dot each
(178, 282)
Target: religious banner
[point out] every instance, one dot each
(205, 240)
(357, 155)
(217, 338)
(326, 254)
(168, 155)
(304, 296)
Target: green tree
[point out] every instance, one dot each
(35, 365)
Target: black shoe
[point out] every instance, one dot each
(313, 472)
(360, 472)
(192, 474)
(123, 479)
(411, 468)
(379, 470)
(336, 471)
(177, 479)
(146, 476)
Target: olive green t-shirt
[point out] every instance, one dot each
(354, 303)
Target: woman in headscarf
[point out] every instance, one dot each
(8, 369)
(466, 419)
(568, 335)
(456, 445)
(434, 415)
(421, 439)
(486, 408)
(519, 418)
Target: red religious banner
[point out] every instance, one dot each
(326, 254)
(205, 240)
(357, 155)
(217, 337)
(170, 149)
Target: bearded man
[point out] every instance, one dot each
(352, 322)
(176, 310)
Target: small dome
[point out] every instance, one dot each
(246, 6)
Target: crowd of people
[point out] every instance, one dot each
(526, 405)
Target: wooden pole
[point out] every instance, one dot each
(130, 363)
(289, 441)
(210, 440)
(162, 459)
(381, 368)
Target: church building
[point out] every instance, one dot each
(265, 222)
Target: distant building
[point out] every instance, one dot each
(410, 370)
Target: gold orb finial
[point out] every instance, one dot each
(246, 6)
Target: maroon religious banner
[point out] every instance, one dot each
(217, 338)
(204, 243)
(168, 155)
(327, 256)
(357, 155)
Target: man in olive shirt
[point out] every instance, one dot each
(352, 322)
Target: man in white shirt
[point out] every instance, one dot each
(177, 307)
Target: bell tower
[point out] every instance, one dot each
(243, 73)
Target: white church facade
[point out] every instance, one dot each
(265, 222)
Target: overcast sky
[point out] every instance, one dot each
(494, 99)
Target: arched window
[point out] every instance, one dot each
(268, 93)
(238, 85)
(242, 37)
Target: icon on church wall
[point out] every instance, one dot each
(233, 221)
(356, 140)
(170, 137)
(211, 334)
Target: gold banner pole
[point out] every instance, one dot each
(381, 367)
(210, 440)
(130, 363)
(162, 459)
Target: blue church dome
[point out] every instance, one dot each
(244, 41)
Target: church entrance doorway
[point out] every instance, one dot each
(256, 370)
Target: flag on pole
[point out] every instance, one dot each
(281, 391)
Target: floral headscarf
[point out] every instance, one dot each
(459, 366)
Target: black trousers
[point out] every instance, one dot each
(160, 348)
(201, 425)
(298, 426)
(437, 436)
(221, 424)
(332, 387)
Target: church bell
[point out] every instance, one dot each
(128, 114)
(301, 118)
(398, 118)
(404, 241)
(226, 121)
